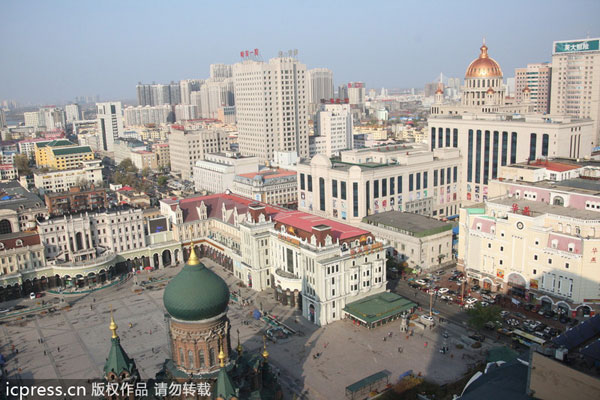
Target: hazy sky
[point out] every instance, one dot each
(52, 51)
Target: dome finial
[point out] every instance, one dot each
(193, 259)
(113, 326)
(484, 49)
(265, 353)
(221, 353)
(239, 346)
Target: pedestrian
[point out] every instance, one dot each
(58, 349)
(425, 344)
(16, 351)
(44, 352)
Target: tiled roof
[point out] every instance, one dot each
(554, 166)
(270, 174)
(305, 222)
(10, 240)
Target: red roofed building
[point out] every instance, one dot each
(315, 264)
(21, 255)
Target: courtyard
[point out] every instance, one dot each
(73, 342)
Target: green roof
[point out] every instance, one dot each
(71, 150)
(224, 388)
(501, 353)
(117, 360)
(42, 144)
(379, 306)
(196, 293)
(476, 211)
(369, 380)
(59, 143)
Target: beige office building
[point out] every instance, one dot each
(370, 181)
(188, 146)
(271, 107)
(490, 141)
(576, 80)
(537, 78)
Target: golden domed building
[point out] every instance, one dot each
(483, 91)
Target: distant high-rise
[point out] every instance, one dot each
(46, 118)
(186, 87)
(354, 91)
(575, 88)
(2, 119)
(143, 115)
(213, 95)
(320, 85)
(537, 78)
(220, 71)
(110, 123)
(73, 112)
(333, 130)
(158, 94)
(271, 107)
(144, 94)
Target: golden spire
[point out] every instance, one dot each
(113, 326)
(265, 353)
(193, 259)
(221, 353)
(239, 346)
(483, 48)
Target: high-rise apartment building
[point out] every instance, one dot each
(73, 112)
(158, 94)
(188, 146)
(220, 71)
(186, 87)
(333, 130)
(537, 78)
(110, 123)
(213, 94)
(46, 118)
(271, 107)
(576, 80)
(2, 119)
(142, 115)
(185, 112)
(320, 85)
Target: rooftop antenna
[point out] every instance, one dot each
(484, 40)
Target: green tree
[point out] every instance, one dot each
(22, 163)
(479, 315)
(127, 166)
(162, 180)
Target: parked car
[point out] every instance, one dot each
(512, 322)
(32, 296)
(478, 337)
(427, 318)
(484, 304)
(476, 288)
(420, 282)
(471, 300)
(414, 285)
(504, 313)
(549, 314)
(443, 290)
(519, 315)
(38, 295)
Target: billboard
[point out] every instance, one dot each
(158, 225)
(577, 46)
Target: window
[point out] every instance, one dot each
(211, 357)
(478, 158)
(392, 188)
(567, 265)
(191, 359)
(435, 178)
(181, 358)
(469, 159)
(322, 194)
(384, 187)
(486, 157)
(455, 138)
(504, 148)
(532, 146)
(354, 197)
(201, 359)
(410, 182)
(376, 189)
(535, 257)
(545, 139)
(549, 261)
(309, 183)
(535, 271)
(343, 190)
(399, 185)
(455, 174)
(432, 138)
(334, 188)
(425, 180)
(513, 148)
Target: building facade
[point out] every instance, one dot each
(20, 253)
(76, 200)
(143, 115)
(216, 172)
(271, 186)
(57, 181)
(537, 78)
(320, 85)
(489, 142)
(534, 250)
(163, 155)
(333, 130)
(576, 80)
(370, 181)
(110, 123)
(271, 107)
(73, 113)
(188, 146)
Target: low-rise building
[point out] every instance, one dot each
(123, 148)
(19, 208)
(216, 172)
(418, 241)
(76, 200)
(61, 154)
(271, 186)
(533, 250)
(8, 172)
(128, 196)
(89, 172)
(143, 159)
(21, 255)
(314, 263)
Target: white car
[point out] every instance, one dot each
(32, 296)
(427, 318)
(420, 282)
(504, 313)
(442, 290)
(484, 304)
(471, 300)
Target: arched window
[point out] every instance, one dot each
(191, 359)
(211, 357)
(181, 359)
(5, 227)
(558, 201)
(201, 359)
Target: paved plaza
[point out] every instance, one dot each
(75, 341)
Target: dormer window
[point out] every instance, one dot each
(19, 242)
(478, 227)
(554, 243)
(571, 247)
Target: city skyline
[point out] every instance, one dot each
(115, 44)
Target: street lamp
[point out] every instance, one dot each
(431, 292)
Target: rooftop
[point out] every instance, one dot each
(417, 224)
(539, 208)
(379, 306)
(305, 222)
(63, 151)
(9, 240)
(13, 196)
(549, 165)
(269, 174)
(590, 187)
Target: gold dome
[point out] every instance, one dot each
(484, 66)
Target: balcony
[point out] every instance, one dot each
(287, 280)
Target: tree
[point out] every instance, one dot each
(145, 172)
(127, 166)
(479, 315)
(162, 180)
(22, 163)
